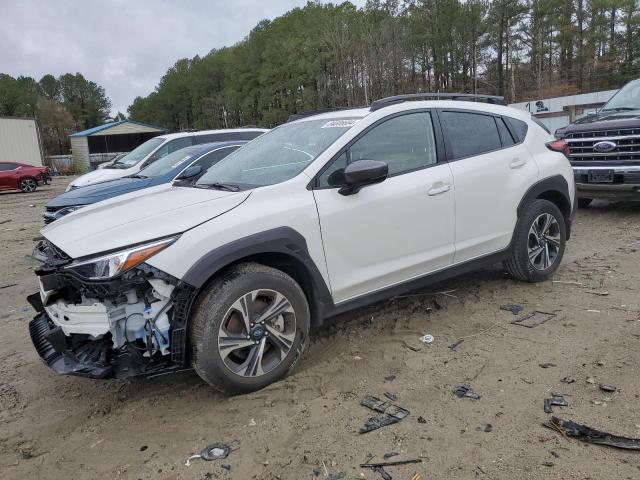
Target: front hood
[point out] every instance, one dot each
(99, 191)
(138, 217)
(102, 175)
(605, 121)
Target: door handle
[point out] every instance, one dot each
(439, 189)
(517, 163)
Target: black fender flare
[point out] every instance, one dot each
(555, 189)
(282, 240)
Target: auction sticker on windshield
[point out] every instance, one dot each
(340, 123)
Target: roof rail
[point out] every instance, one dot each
(385, 102)
(310, 113)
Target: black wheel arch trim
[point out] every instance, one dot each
(283, 241)
(555, 189)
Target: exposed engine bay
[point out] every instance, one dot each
(129, 325)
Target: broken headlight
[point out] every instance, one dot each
(113, 264)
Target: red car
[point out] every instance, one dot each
(19, 176)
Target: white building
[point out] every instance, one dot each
(561, 111)
(20, 141)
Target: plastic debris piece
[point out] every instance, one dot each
(567, 380)
(389, 378)
(421, 420)
(390, 454)
(215, 451)
(547, 365)
(607, 388)
(390, 413)
(557, 400)
(462, 391)
(391, 396)
(591, 435)
(512, 307)
(488, 428)
(427, 338)
(455, 344)
(533, 319)
(383, 473)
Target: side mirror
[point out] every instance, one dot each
(190, 172)
(362, 173)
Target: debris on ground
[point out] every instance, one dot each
(422, 420)
(391, 413)
(8, 285)
(512, 307)
(386, 456)
(567, 380)
(455, 344)
(395, 463)
(215, 451)
(383, 473)
(533, 319)
(565, 282)
(462, 391)
(427, 338)
(391, 396)
(591, 435)
(555, 400)
(488, 428)
(389, 378)
(607, 388)
(337, 476)
(547, 365)
(594, 292)
(591, 380)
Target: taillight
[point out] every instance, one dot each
(559, 146)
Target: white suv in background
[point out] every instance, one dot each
(157, 147)
(316, 217)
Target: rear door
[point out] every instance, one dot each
(492, 170)
(8, 177)
(395, 230)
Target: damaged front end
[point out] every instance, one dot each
(110, 316)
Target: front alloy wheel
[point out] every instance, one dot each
(248, 329)
(257, 333)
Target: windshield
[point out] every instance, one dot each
(278, 155)
(137, 154)
(627, 98)
(168, 162)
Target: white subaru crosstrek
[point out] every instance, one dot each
(320, 215)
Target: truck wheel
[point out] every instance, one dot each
(249, 328)
(28, 185)
(538, 242)
(584, 202)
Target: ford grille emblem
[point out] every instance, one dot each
(604, 147)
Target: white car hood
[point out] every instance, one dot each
(102, 175)
(138, 217)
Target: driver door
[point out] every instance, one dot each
(393, 231)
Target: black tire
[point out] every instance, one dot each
(212, 309)
(584, 202)
(28, 185)
(519, 265)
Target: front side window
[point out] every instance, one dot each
(469, 134)
(276, 156)
(405, 143)
(137, 154)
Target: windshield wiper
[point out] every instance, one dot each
(229, 187)
(619, 109)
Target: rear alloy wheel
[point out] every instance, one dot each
(249, 328)
(538, 242)
(28, 185)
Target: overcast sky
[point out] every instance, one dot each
(123, 45)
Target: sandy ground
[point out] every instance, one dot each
(307, 425)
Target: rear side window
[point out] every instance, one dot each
(5, 167)
(518, 128)
(469, 134)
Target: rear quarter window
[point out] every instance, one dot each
(518, 128)
(469, 134)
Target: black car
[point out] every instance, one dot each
(186, 162)
(604, 149)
